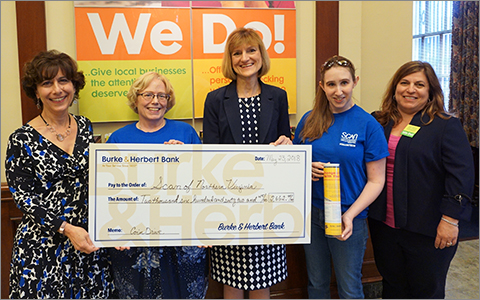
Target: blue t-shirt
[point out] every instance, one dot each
(176, 130)
(354, 139)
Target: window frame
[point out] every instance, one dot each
(432, 38)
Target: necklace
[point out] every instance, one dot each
(60, 137)
(246, 99)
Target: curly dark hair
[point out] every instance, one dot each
(45, 66)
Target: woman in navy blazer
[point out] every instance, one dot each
(221, 117)
(247, 111)
(430, 178)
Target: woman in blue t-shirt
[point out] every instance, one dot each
(157, 272)
(341, 132)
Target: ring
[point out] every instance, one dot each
(449, 244)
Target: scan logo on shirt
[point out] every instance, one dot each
(348, 139)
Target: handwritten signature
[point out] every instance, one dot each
(146, 231)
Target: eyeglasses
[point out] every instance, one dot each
(160, 96)
(342, 63)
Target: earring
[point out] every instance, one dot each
(38, 104)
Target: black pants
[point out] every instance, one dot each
(410, 265)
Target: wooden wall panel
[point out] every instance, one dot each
(326, 43)
(11, 217)
(32, 38)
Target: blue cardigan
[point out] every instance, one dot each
(221, 116)
(433, 175)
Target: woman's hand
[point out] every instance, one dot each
(121, 248)
(447, 234)
(370, 192)
(347, 227)
(282, 140)
(80, 239)
(317, 170)
(173, 142)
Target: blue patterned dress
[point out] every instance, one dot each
(50, 186)
(160, 272)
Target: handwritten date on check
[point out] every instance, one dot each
(185, 195)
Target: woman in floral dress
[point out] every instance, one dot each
(47, 173)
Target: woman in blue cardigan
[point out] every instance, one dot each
(430, 177)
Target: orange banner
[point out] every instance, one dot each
(276, 27)
(132, 33)
(115, 45)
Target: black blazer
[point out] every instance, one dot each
(433, 175)
(221, 116)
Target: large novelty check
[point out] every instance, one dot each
(184, 195)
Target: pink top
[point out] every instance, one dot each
(392, 145)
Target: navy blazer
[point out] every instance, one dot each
(433, 175)
(221, 115)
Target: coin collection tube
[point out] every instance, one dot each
(332, 200)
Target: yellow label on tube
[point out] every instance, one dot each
(332, 200)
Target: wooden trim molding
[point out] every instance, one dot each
(11, 216)
(326, 42)
(31, 38)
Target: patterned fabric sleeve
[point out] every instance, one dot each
(20, 176)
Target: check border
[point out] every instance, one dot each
(96, 212)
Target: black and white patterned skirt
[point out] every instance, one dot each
(249, 267)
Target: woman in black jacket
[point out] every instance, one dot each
(430, 176)
(247, 111)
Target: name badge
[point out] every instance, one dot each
(410, 130)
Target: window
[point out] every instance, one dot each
(432, 38)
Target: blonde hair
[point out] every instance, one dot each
(142, 82)
(238, 37)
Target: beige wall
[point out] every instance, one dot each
(375, 35)
(11, 110)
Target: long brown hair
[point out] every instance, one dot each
(321, 116)
(389, 110)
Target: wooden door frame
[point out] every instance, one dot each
(326, 26)
(31, 39)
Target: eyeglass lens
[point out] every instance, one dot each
(160, 96)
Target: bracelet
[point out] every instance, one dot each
(62, 228)
(449, 222)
